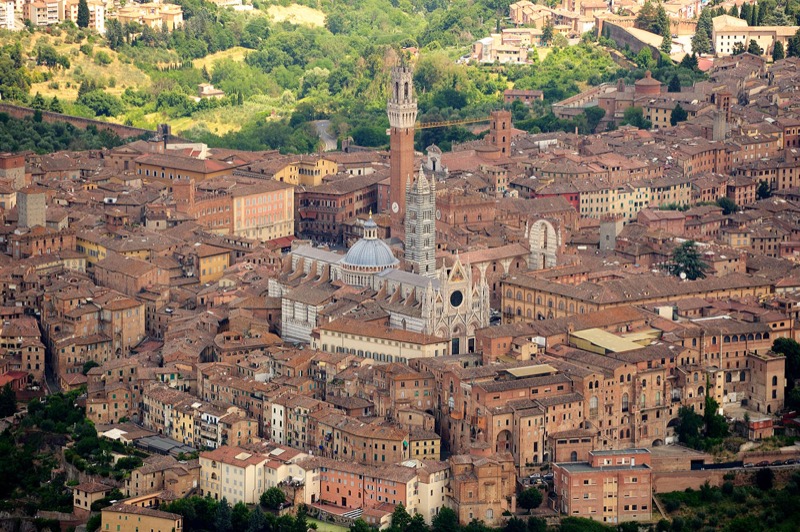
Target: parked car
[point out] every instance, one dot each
(749, 464)
(777, 462)
(763, 463)
(548, 476)
(790, 461)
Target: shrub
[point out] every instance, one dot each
(102, 58)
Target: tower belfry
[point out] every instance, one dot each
(420, 225)
(402, 111)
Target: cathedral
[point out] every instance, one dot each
(317, 285)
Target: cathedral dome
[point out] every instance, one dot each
(370, 253)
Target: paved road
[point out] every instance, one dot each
(323, 128)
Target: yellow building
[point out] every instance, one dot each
(377, 341)
(154, 15)
(232, 473)
(424, 445)
(211, 262)
(624, 200)
(122, 517)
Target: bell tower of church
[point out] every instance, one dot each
(402, 111)
(420, 225)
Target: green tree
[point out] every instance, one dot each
(89, 364)
(272, 498)
(744, 14)
(689, 426)
(678, 115)
(515, 524)
(645, 59)
(754, 48)
(548, 31)
(445, 521)
(359, 525)
(417, 524)
(777, 51)
(240, 516)
(793, 48)
(530, 498)
(687, 260)
(734, 11)
(594, 115)
(701, 44)
(765, 478)
(715, 425)
(38, 102)
(8, 401)
(764, 191)
(790, 349)
(56, 106)
(223, 518)
(727, 205)
(738, 48)
(94, 522)
(666, 42)
(753, 20)
(674, 84)
(83, 14)
(400, 518)
(634, 116)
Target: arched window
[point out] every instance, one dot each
(591, 385)
(658, 380)
(538, 300)
(621, 379)
(629, 377)
(529, 298)
(700, 391)
(726, 339)
(625, 402)
(596, 384)
(573, 457)
(519, 311)
(519, 295)
(528, 313)
(695, 377)
(728, 377)
(593, 404)
(644, 383)
(509, 293)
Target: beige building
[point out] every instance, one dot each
(377, 341)
(728, 30)
(85, 494)
(263, 211)
(122, 517)
(232, 473)
(154, 15)
(32, 207)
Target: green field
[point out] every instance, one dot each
(322, 526)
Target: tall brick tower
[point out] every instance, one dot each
(402, 111)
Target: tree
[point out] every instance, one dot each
(716, 426)
(515, 524)
(727, 205)
(701, 44)
(674, 84)
(240, 516)
(634, 116)
(530, 498)
(689, 425)
(678, 115)
(445, 521)
(666, 43)
(594, 115)
(686, 259)
(754, 48)
(777, 51)
(764, 191)
(753, 20)
(745, 13)
(417, 524)
(83, 14)
(548, 31)
(738, 49)
(765, 479)
(793, 48)
(38, 102)
(734, 11)
(56, 106)
(272, 498)
(8, 401)
(791, 350)
(400, 518)
(359, 525)
(89, 364)
(223, 519)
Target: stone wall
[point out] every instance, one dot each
(619, 34)
(124, 132)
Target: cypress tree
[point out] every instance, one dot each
(83, 14)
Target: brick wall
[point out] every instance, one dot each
(124, 132)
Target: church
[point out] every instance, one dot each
(369, 282)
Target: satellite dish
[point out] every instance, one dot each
(682, 275)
